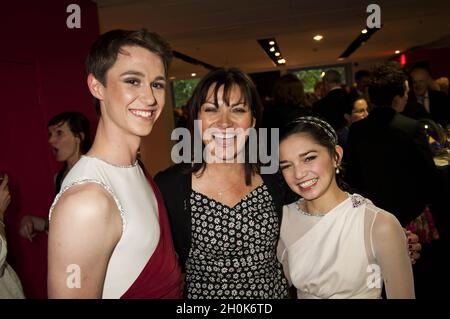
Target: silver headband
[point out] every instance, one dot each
(318, 123)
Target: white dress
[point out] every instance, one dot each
(138, 208)
(332, 256)
(10, 287)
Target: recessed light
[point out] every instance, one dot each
(318, 37)
(341, 59)
(172, 78)
(397, 51)
(193, 74)
(364, 31)
(270, 47)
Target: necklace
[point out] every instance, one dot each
(303, 212)
(115, 165)
(221, 192)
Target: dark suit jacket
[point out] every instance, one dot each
(439, 108)
(389, 161)
(331, 108)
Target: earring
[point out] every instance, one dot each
(337, 170)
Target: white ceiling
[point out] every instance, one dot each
(224, 32)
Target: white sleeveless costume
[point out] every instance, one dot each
(138, 208)
(330, 259)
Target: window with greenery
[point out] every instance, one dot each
(182, 91)
(311, 76)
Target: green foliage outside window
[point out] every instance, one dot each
(182, 90)
(310, 77)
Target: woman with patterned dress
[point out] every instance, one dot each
(334, 244)
(225, 215)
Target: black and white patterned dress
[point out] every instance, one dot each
(233, 249)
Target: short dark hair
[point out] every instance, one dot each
(387, 81)
(289, 90)
(359, 75)
(103, 53)
(349, 102)
(332, 76)
(422, 65)
(226, 77)
(78, 124)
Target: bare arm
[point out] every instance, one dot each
(392, 256)
(84, 230)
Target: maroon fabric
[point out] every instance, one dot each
(161, 276)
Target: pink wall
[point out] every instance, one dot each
(42, 74)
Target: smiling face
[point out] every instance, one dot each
(134, 94)
(308, 167)
(64, 144)
(224, 125)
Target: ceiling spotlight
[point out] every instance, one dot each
(270, 46)
(364, 31)
(318, 37)
(397, 51)
(172, 78)
(193, 74)
(341, 59)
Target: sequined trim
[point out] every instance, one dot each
(83, 181)
(357, 200)
(119, 166)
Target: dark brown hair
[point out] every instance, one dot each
(228, 78)
(78, 125)
(321, 133)
(387, 80)
(104, 51)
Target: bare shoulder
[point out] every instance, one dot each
(88, 203)
(84, 230)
